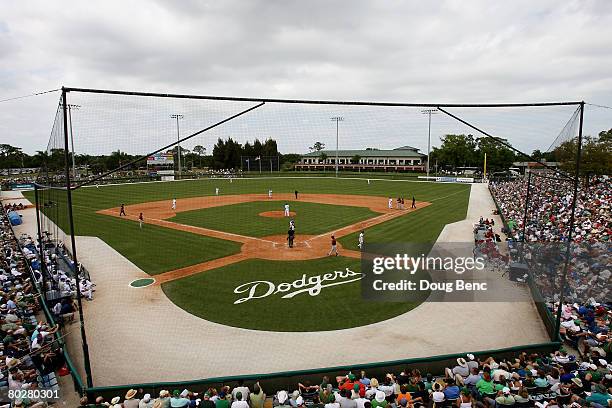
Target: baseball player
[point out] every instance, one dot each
(174, 203)
(413, 203)
(290, 237)
(360, 244)
(296, 194)
(270, 193)
(216, 190)
(368, 181)
(390, 203)
(292, 225)
(287, 214)
(122, 210)
(140, 220)
(334, 247)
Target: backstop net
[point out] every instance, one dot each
(179, 148)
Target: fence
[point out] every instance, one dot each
(116, 131)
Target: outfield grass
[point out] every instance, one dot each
(244, 218)
(157, 249)
(211, 296)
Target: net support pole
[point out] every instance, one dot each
(86, 360)
(572, 221)
(526, 206)
(43, 266)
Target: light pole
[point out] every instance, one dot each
(178, 138)
(429, 112)
(70, 108)
(337, 119)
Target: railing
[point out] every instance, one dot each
(78, 382)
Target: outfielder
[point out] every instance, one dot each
(174, 203)
(216, 190)
(287, 214)
(270, 193)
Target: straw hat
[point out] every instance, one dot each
(130, 394)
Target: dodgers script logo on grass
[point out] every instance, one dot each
(313, 285)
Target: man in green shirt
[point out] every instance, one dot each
(485, 385)
(600, 396)
(222, 402)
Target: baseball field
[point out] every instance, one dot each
(224, 257)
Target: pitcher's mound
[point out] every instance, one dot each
(276, 214)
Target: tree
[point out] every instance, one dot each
(317, 147)
(499, 157)
(596, 155)
(455, 151)
(200, 151)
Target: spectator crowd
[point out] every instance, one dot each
(30, 353)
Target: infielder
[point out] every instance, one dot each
(390, 203)
(287, 214)
(269, 193)
(413, 203)
(140, 220)
(122, 210)
(334, 247)
(360, 244)
(174, 203)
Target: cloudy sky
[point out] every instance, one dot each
(471, 51)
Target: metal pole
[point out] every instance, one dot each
(43, 266)
(525, 217)
(337, 128)
(337, 119)
(428, 112)
(72, 142)
(178, 146)
(178, 138)
(572, 219)
(270, 166)
(74, 251)
(428, 143)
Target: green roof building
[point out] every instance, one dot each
(405, 158)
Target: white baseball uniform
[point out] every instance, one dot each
(174, 203)
(286, 210)
(269, 193)
(360, 245)
(390, 203)
(217, 191)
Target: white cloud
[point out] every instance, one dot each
(451, 51)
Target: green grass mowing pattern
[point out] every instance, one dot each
(160, 249)
(244, 218)
(337, 307)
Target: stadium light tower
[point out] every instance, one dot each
(337, 119)
(178, 138)
(71, 107)
(429, 112)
